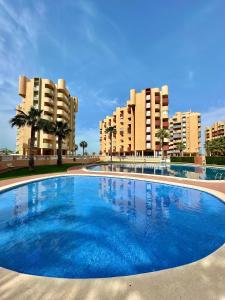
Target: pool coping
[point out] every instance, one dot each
(202, 279)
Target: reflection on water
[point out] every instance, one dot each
(185, 171)
(143, 202)
(31, 199)
(101, 227)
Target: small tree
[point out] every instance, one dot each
(83, 145)
(33, 120)
(111, 130)
(162, 134)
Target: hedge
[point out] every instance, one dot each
(215, 160)
(183, 159)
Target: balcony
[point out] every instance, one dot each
(165, 101)
(165, 124)
(62, 105)
(63, 97)
(49, 92)
(36, 98)
(157, 98)
(49, 84)
(148, 113)
(49, 101)
(165, 147)
(177, 136)
(49, 109)
(47, 136)
(47, 117)
(62, 114)
(36, 88)
(148, 105)
(148, 145)
(148, 121)
(47, 145)
(157, 123)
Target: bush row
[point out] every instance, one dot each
(184, 159)
(215, 160)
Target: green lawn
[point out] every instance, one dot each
(38, 170)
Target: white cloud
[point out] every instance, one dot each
(190, 75)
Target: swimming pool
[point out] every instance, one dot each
(185, 171)
(91, 227)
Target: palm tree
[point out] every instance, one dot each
(111, 130)
(33, 120)
(83, 145)
(162, 134)
(75, 149)
(61, 130)
(215, 146)
(181, 147)
(6, 151)
(208, 148)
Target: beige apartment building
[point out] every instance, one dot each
(137, 124)
(57, 104)
(217, 130)
(185, 128)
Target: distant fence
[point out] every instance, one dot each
(134, 159)
(17, 161)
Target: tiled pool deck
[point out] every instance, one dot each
(204, 279)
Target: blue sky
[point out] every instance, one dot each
(105, 48)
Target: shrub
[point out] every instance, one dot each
(215, 160)
(183, 159)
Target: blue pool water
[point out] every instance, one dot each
(185, 171)
(88, 227)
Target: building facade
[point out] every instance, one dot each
(217, 130)
(185, 128)
(57, 104)
(137, 124)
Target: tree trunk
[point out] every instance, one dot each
(162, 148)
(83, 150)
(59, 160)
(31, 154)
(111, 146)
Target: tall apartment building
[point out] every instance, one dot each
(57, 104)
(185, 128)
(137, 124)
(217, 130)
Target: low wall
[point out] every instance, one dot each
(133, 159)
(10, 162)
